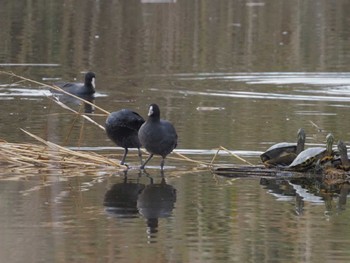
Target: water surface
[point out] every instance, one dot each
(238, 74)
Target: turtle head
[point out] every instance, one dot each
(300, 140)
(343, 151)
(330, 140)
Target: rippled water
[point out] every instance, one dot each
(226, 74)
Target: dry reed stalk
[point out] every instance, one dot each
(214, 157)
(235, 155)
(88, 156)
(81, 134)
(185, 158)
(15, 154)
(64, 106)
(38, 156)
(182, 157)
(51, 155)
(9, 159)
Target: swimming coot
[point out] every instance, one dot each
(80, 89)
(157, 136)
(122, 128)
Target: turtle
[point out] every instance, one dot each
(342, 160)
(337, 171)
(283, 153)
(311, 157)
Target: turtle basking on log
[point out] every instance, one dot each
(283, 153)
(312, 157)
(342, 161)
(338, 168)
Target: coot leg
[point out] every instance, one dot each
(124, 156)
(162, 163)
(140, 155)
(144, 164)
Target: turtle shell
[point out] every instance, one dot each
(278, 149)
(283, 154)
(280, 153)
(307, 158)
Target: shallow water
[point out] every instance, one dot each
(226, 74)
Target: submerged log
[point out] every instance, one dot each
(254, 171)
(329, 179)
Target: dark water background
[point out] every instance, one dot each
(238, 74)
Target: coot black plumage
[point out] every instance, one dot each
(157, 136)
(122, 128)
(80, 89)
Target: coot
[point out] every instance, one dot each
(157, 136)
(122, 128)
(80, 89)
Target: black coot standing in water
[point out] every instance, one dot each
(122, 128)
(80, 89)
(157, 136)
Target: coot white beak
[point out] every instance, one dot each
(93, 83)
(150, 112)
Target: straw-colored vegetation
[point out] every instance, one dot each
(50, 155)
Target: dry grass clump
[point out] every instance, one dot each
(51, 155)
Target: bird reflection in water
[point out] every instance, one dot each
(156, 201)
(69, 100)
(131, 198)
(121, 199)
(89, 108)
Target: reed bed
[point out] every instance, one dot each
(51, 155)
(21, 160)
